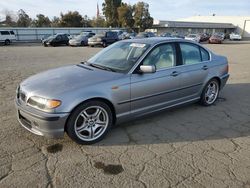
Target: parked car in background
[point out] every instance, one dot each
(120, 34)
(7, 37)
(127, 80)
(222, 35)
(179, 36)
(216, 39)
(166, 35)
(235, 36)
(45, 37)
(81, 40)
(204, 37)
(56, 40)
(70, 36)
(131, 35)
(104, 39)
(145, 35)
(193, 37)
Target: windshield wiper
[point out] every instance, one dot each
(101, 67)
(85, 62)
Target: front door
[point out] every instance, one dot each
(153, 91)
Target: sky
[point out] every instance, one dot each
(159, 9)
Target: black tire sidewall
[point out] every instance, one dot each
(71, 120)
(7, 42)
(104, 44)
(203, 100)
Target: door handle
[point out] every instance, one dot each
(175, 73)
(205, 67)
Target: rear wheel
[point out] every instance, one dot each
(7, 42)
(210, 93)
(89, 122)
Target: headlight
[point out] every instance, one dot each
(42, 103)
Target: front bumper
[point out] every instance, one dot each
(41, 123)
(74, 43)
(92, 43)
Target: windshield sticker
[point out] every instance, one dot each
(137, 45)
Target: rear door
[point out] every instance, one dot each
(154, 91)
(194, 69)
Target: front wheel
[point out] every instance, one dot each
(104, 44)
(89, 122)
(210, 93)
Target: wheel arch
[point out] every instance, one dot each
(216, 78)
(104, 100)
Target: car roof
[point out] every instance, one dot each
(156, 40)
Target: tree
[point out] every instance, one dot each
(125, 15)
(142, 17)
(23, 19)
(55, 22)
(98, 22)
(110, 12)
(41, 21)
(71, 19)
(10, 18)
(86, 21)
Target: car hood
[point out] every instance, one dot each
(57, 81)
(48, 39)
(74, 41)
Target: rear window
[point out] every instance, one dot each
(4, 32)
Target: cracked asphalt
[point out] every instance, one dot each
(191, 146)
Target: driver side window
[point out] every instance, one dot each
(162, 56)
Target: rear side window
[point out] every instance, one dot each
(5, 33)
(190, 53)
(204, 55)
(12, 32)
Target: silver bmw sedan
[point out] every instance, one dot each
(126, 80)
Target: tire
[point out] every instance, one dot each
(7, 42)
(85, 127)
(208, 97)
(45, 45)
(82, 43)
(104, 44)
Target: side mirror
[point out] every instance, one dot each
(147, 69)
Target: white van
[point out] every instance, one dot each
(7, 37)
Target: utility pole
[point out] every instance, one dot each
(244, 28)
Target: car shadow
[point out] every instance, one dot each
(229, 117)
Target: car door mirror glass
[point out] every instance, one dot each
(147, 69)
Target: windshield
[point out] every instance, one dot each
(120, 56)
(51, 37)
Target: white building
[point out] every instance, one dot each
(242, 23)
